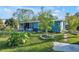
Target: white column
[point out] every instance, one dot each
(61, 26)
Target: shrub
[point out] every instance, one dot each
(9, 29)
(17, 39)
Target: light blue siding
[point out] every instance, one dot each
(56, 26)
(35, 26)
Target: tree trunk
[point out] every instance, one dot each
(46, 31)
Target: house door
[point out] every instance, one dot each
(27, 27)
(56, 27)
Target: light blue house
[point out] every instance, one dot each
(30, 26)
(58, 26)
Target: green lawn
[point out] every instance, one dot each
(35, 44)
(73, 39)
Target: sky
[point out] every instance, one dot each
(59, 11)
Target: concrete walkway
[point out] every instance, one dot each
(65, 47)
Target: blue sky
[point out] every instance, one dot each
(7, 11)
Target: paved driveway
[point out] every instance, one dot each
(65, 47)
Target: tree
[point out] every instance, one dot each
(12, 23)
(1, 24)
(46, 18)
(23, 14)
(67, 20)
(72, 23)
(77, 15)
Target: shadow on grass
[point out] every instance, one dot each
(38, 43)
(75, 43)
(74, 36)
(46, 49)
(39, 48)
(25, 47)
(3, 45)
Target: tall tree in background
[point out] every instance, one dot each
(1, 24)
(12, 23)
(77, 15)
(23, 14)
(72, 22)
(67, 20)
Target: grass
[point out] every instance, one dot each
(41, 47)
(34, 44)
(73, 39)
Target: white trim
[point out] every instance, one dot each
(61, 26)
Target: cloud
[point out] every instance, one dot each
(77, 8)
(61, 17)
(57, 11)
(8, 11)
(55, 14)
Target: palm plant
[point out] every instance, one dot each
(46, 18)
(72, 22)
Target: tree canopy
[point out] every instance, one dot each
(23, 14)
(12, 23)
(72, 22)
(46, 18)
(1, 24)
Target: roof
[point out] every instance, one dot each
(30, 21)
(59, 20)
(34, 21)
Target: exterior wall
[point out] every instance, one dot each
(30, 29)
(21, 27)
(57, 26)
(35, 26)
